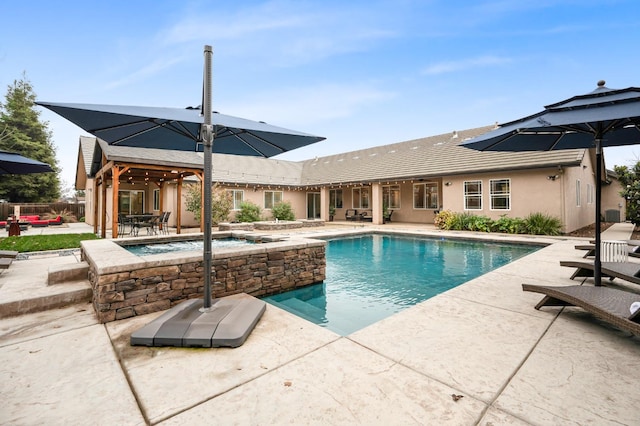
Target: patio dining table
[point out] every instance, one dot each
(149, 221)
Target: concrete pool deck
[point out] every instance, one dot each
(483, 341)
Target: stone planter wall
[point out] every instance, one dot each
(140, 288)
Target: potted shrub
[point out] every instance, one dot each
(332, 213)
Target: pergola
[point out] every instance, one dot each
(117, 172)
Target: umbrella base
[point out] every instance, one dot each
(228, 323)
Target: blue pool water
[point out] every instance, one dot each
(372, 277)
(157, 248)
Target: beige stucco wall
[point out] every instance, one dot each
(577, 216)
(531, 191)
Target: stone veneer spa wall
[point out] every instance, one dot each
(125, 285)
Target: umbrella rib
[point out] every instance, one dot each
(169, 125)
(238, 135)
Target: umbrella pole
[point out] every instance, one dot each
(597, 265)
(207, 136)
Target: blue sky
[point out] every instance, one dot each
(360, 73)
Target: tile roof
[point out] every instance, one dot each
(435, 156)
(438, 155)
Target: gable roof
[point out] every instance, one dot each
(433, 156)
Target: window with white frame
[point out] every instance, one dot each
(360, 198)
(578, 194)
(391, 196)
(335, 198)
(271, 198)
(500, 191)
(425, 195)
(237, 196)
(589, 193)
(473, 195)
(156, 199)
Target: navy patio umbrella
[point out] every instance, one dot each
(16, 164)
(190, 129)
(602, 118)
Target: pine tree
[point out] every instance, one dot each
(22, 132)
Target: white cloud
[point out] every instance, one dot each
(304, 106)
(282, 33)
(465, 64)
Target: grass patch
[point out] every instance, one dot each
(29, 243)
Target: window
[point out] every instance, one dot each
(500, 191)
(335, 198)
(238, 197)
(425, 195)
(156, 199)
(271, 198)
(589, 193)
(131, 202)
(578, 197)
(391, 196)
(360, 198)
(473, 195)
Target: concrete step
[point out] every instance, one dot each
(47, 297)
(61, 274)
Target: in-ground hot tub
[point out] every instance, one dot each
(125, 284)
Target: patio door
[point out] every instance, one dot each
(131, 202)
(313, 205)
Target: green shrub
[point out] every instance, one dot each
(444, 219)
(542, 224)
(249, 212)
(283, 211)
(480, 223)
(509, 225)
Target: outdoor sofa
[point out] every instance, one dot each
(609, 304)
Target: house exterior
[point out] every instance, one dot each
(415, 179)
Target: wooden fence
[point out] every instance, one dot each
(77, 210)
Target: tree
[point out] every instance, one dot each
(221, 202)
(22, 132)
(630, 180)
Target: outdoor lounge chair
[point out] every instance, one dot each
(609, 304)
(627, 271)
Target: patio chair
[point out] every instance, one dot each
(151, 224)
(609, 304)
(163, 224)
(123, 221)
(628, 271)
(351, 214)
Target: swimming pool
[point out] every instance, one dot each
(374, 276)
